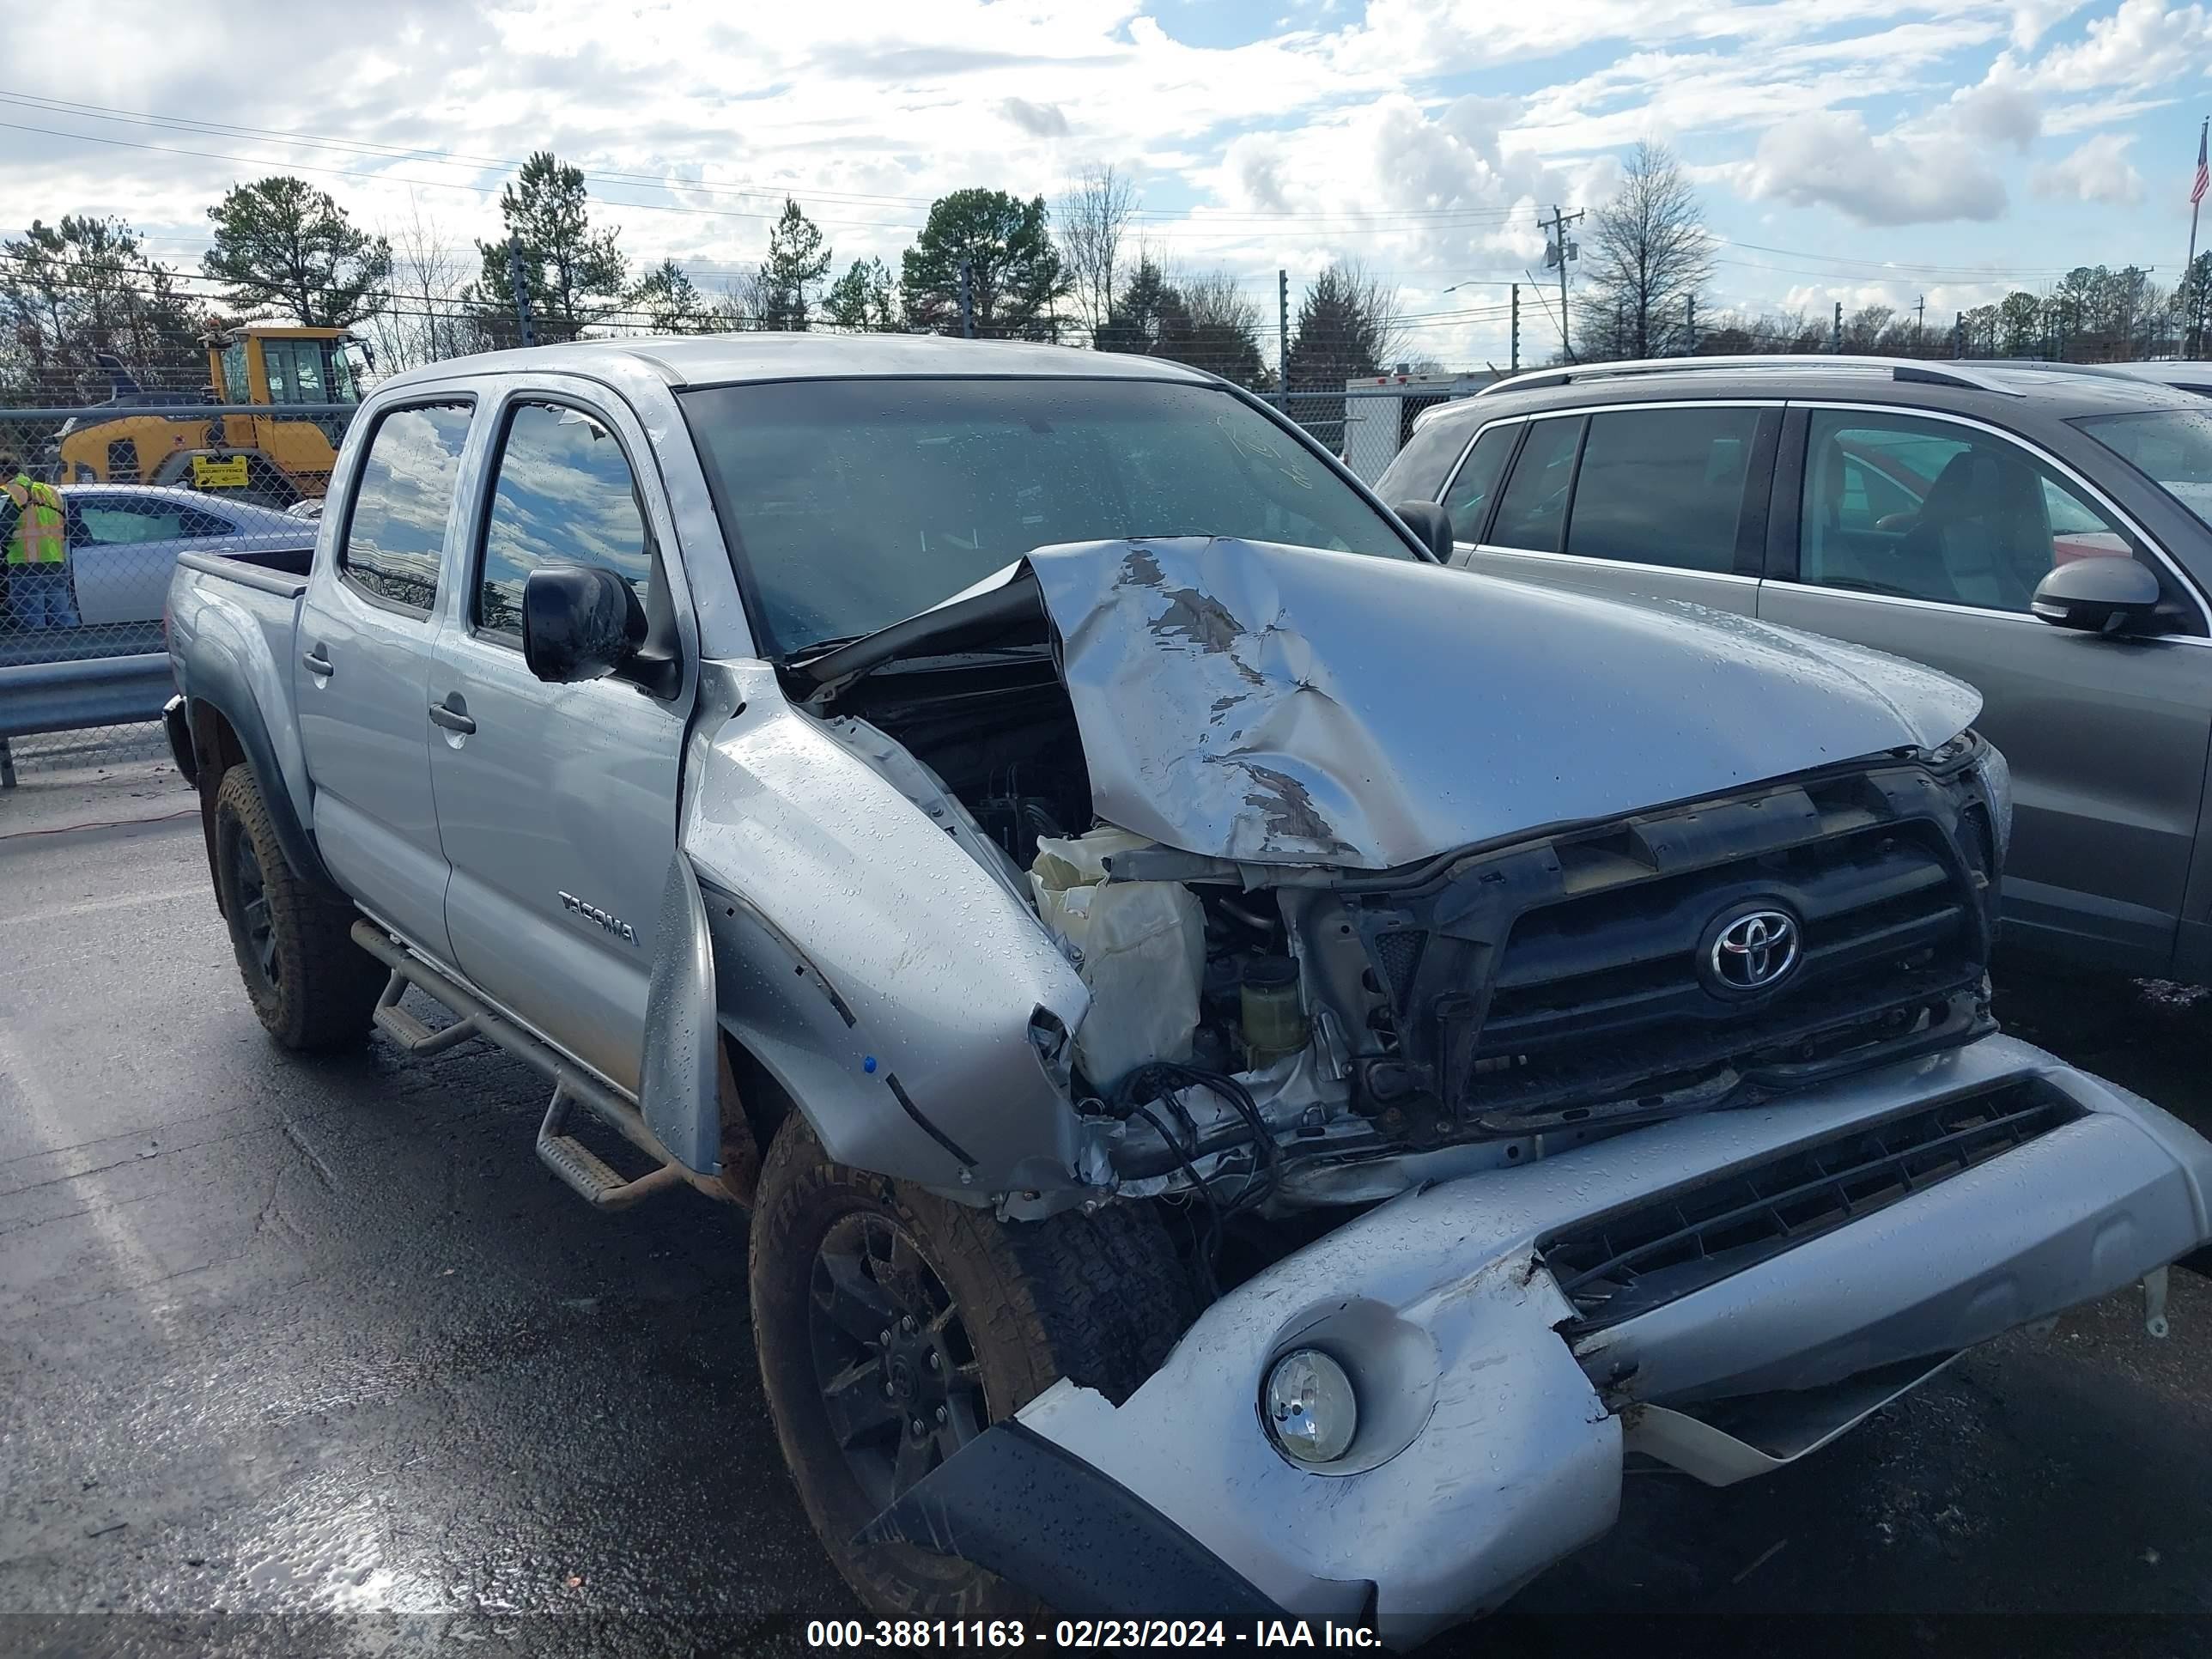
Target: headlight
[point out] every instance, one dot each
(1996, 780)
(1309, 1407)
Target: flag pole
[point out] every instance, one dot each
(2189, 268)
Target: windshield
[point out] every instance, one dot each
(2172, 446)
(856, 503)
(308, 372)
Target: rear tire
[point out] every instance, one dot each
(1099, 1298)
(314, 988)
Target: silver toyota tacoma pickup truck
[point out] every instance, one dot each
(1264, 1071)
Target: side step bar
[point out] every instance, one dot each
(581, 1170)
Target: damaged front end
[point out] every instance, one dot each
(1342, 929)
(1286, 886)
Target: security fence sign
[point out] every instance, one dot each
(228, 473)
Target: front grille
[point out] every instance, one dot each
(1635, 1260)
(1610, 984)
(1541, 984)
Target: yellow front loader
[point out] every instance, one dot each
(274, 458)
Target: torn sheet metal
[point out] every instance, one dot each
(1280, 705)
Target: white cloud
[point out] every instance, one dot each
(2031, 18)
(1901, 177)
(1996, 111)
(2097, 172)
(2140, 43)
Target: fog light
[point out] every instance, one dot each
(1310, 1407)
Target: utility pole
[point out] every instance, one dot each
(1515, 360)
(1558, 250)
(1959, 335)
(1283, 337)
(1919, 318)
(522, 290)
(1689, 325)
(967, 305)
(1836, 332)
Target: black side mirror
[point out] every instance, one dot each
(2100, 595)
(1431, 523)
(579, 623)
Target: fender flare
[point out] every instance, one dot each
(214, 683)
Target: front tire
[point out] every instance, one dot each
(314, 988)
(893, 1326)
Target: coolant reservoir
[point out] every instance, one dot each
(1139, 945)
(1274, 1023)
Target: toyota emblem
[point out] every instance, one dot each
(1753, 951)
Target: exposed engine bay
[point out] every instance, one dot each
(1271, 1033)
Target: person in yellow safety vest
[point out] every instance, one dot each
(38, 553)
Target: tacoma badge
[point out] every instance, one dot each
(615, 924)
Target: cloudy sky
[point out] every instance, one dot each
(1860, 150)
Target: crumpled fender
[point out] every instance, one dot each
(889, 980)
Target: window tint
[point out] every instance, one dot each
(565, 495)
(857, 503)
(1925, 510)
(1419, 468)
(1663, 486)
(119, 524)
(1534, 504)
(397, 534)
(1467, 501)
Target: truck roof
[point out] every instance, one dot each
(701, 360)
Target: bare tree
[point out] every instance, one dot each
(423, 321)
(1093, 216)
(1647, 255)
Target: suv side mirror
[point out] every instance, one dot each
(579, 623)
(2101, 595)
(1431, 524)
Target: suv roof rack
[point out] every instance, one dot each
(1910, 369)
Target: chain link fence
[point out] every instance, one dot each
(84, 665)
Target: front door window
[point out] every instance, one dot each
(1921, 509)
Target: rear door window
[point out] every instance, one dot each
(1663, 487)
(1467, 501)
(1921, 509)
(1534, 508)
(396, 536)
(112, 523)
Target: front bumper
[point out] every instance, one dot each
(1495, 1420)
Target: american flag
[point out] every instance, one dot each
(2204, 178)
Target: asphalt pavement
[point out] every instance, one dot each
(315, 1357)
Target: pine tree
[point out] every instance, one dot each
(797, 259)
(1014, 272)
(281, 243)
(862, 299)
(573, 274)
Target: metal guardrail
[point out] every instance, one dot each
(64, 697)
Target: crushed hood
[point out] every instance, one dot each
(1277, 705)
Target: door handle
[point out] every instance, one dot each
(453, 719)
(314, 659)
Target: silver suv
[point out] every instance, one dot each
(1944, 512)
